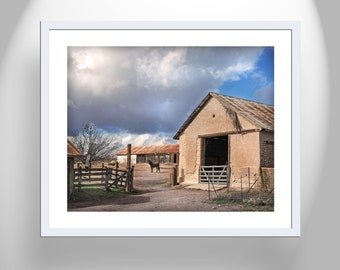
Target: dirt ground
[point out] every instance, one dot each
(153, 192)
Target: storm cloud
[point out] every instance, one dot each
(148, 90)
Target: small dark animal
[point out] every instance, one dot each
(154, 165)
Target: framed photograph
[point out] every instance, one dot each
(170, 129)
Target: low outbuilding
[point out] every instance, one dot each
(157, 153)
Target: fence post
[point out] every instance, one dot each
(174, 173)
(80, 172)
(174, 176)
(131, 179)
(116, 167)
(89, 170)
(128, 168)
(209, 186)
(263, 184)
(103, 173)
(107, 178)
(229, 175)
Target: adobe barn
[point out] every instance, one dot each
(227, 138)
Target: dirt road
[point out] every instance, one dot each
(153, 192)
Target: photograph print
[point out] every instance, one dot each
(170, 128)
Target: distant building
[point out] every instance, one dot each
(156, 153)
(226, 131)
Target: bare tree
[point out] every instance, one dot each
(95, 145)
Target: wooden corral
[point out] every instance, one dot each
(103, 176)
(88, 176)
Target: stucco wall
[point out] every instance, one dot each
(123, 159)
(244, 150)
(244, 159)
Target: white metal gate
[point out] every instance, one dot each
(214, 174)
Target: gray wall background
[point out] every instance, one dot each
(21, 246)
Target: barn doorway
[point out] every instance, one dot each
(214, 161)
(215, 151)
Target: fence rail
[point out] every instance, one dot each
(214, 174)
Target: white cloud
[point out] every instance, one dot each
(97, 71)
(161, 67)
(125, 138)
(231, 73)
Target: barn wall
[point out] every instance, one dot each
(188, 158)
(162, 158)
(122, 159)
(244, 159)
(252, 161)
(244, 150)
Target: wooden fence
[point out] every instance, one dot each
(103, 176)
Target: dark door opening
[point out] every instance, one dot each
(175, 158)
(215, 151)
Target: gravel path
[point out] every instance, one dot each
(153, 192)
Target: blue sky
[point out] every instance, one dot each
(257, 84)
(142, 95)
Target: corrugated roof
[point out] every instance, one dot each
(72, 150)
(259, 114)
(153, 149)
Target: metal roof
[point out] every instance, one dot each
(153, 149)
(72, 150)
(259, 114)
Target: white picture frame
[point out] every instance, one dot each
(57, 221)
